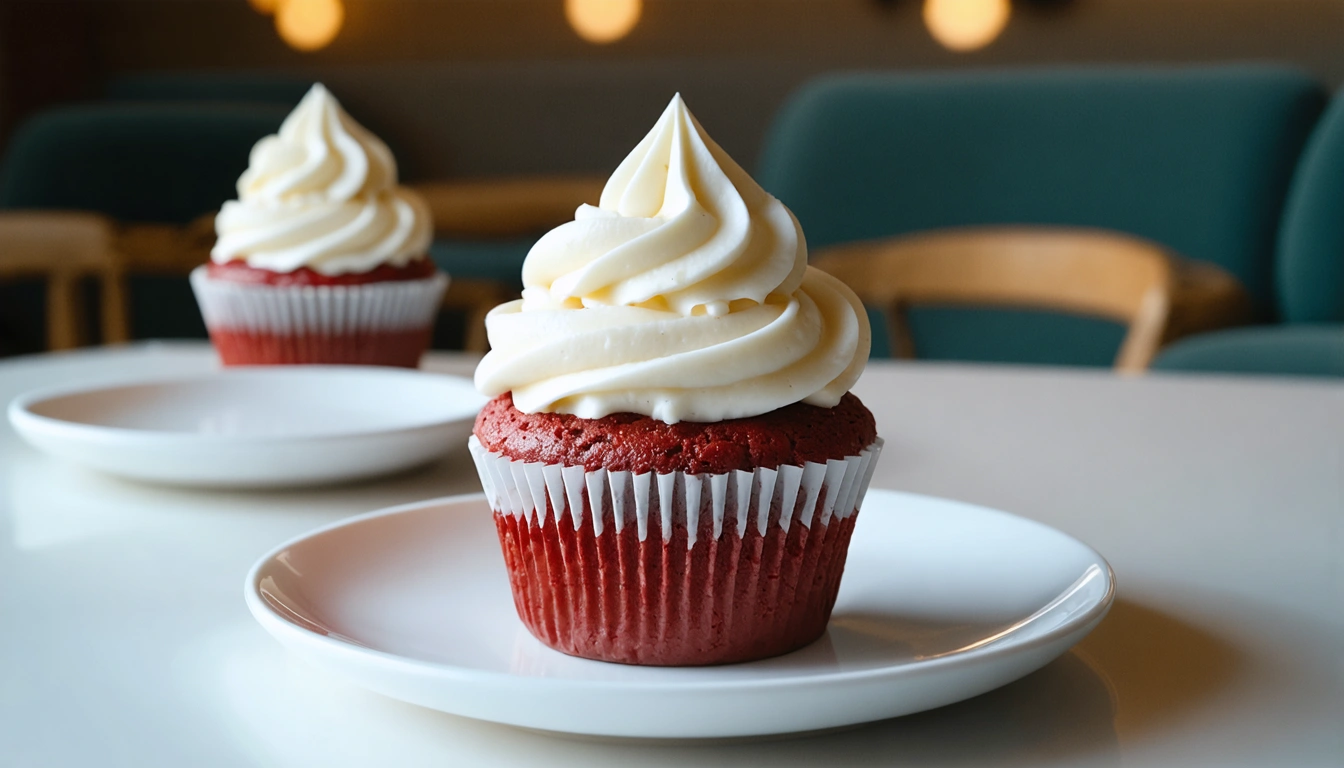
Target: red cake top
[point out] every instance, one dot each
(239, 272)
(794, 434)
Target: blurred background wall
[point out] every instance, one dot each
(487, 87)
(467, 91)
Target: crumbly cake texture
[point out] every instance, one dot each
(239, 272)
(795, 435)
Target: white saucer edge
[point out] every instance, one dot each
(243, 462)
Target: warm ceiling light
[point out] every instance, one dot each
(307, 25)
(965, 25)
(603, 21)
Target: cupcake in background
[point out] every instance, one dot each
(672, 454)
(323, 258)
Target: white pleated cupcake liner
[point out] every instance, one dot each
(767, 496)
(326, 310)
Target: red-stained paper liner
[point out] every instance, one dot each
(384, 323)
(675, 569)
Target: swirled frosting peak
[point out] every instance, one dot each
(683, 295)
(322, 194)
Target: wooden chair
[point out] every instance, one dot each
(63, 247)
(499, 208)
(507, 207)
(1089, 272)
(166, 249)
(1205, 297)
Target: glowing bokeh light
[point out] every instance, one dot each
(308, 25)
(966, 25)
(264, 7)
(603, 21)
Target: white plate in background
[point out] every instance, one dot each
(940, 601)
(264, 426)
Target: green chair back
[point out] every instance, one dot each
(500, 260)
(1284, 350)
(163, 163)
(167, 163)
(1310, 267)
(1198, 160)
(1309, 275)
(235, 87)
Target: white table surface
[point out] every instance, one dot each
(124, 640)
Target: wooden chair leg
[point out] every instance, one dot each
(475, 298)
(898, 332)
(116, 323)
(1145, 334)
(476, 339)
(63, 330)
(496, 294)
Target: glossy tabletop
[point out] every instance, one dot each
(124, 639)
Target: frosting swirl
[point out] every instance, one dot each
(322, 194)
(684, 295)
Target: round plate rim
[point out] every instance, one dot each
(24, 419)
(285, 630)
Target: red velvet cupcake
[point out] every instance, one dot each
(735, 552)
(673, 458)
(322, 259)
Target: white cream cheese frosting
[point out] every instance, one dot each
(322, 194)
(684, 295)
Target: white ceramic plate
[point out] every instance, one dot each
(254, 427)
(940, 601)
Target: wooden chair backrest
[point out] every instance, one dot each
(166, 249)
(1090, 272)
(62, 247)
(463, 208)
(503, 207)
(484, 208)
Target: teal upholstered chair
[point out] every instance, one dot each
(232, 87)
(1310, 267)
(1302, 349)
(1309, 273)
(138, 163)
(500, 260)
(1198, 160)
(165, 163)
